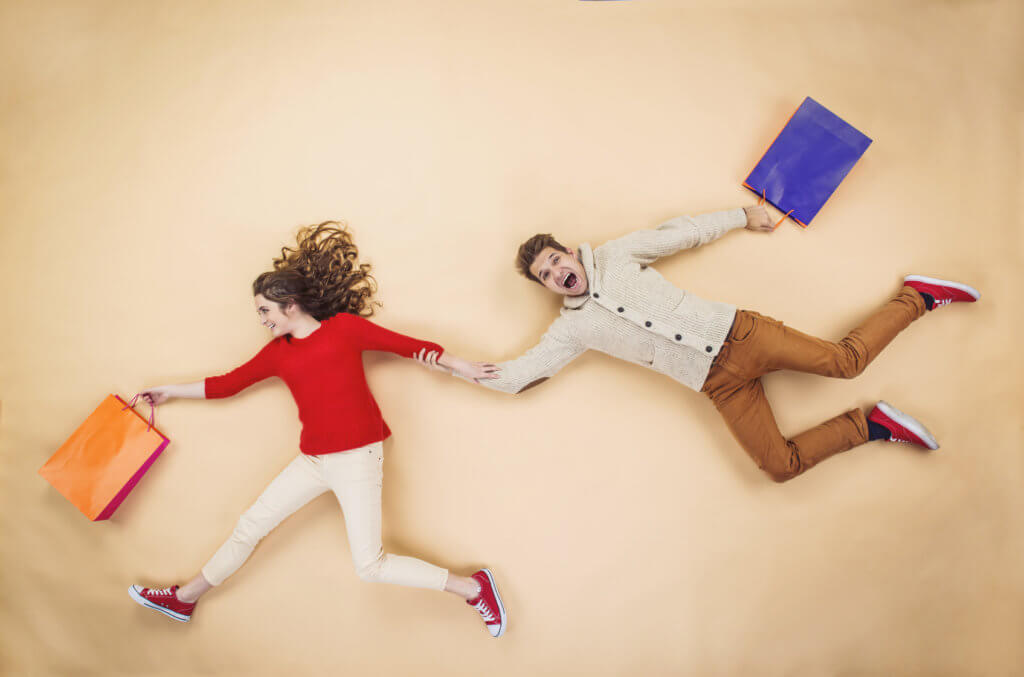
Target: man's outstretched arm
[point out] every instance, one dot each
(686, 232)
(558, 347)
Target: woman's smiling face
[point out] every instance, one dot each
(272, 316)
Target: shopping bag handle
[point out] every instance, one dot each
(779, 222)
(152, 411)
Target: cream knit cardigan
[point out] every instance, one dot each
(632, 312)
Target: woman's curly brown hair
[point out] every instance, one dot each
(322, 274)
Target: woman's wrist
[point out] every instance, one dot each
(192, 391)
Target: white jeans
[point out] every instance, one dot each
(355, 476)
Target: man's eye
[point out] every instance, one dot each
(557, 259)
(543, 276)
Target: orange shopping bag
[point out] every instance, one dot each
(105, 458)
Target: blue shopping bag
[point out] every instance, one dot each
(808, 160)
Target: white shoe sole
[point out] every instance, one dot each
(946, 283)
(910, 423)
(149, 605)
(501, 606)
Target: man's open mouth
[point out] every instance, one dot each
(570, 281)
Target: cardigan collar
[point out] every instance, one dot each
(587, 259)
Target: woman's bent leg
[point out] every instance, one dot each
(297, 485)
(356, 477)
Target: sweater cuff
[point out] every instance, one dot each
(209, 392)
(735, 218)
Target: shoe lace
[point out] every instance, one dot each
(484, 609)
(167, 592)
(941, 302)
(897, 438)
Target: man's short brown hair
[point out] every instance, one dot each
(529, 250)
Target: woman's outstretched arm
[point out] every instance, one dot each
(160, 394)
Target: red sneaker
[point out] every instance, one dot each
(165, 601)
(488, 603)
(943, 291)
(902, 427)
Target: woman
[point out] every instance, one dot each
(315, 302)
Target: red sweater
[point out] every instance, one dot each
(324, 371)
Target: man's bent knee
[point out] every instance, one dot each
(783, 467)
(851, 361)
(850, 368)
(779, 475)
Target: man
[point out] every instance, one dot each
(616, 303)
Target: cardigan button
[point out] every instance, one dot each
(679, 337)
(647, 324)
(621, 309)
(709, 349)
(596, 295)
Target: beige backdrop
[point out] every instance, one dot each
(157, 154)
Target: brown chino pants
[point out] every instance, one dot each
(757, 345)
